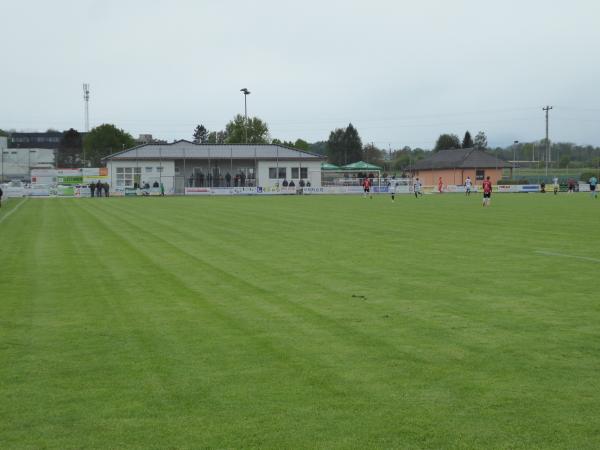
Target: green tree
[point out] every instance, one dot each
(480, 142)
(284, 143)
(447, 142)
(564, 161)
(104, 140)
(200, 135)
(336, 153)
(254, 132)
(301, 144)
(467, 141)
(373, 155)
(401, 161)
(344, 146)
(353, 144)
(3, 133)
(319, 147)
(70, 148)
(216, 137)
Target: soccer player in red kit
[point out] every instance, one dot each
(487, 191)
(367, 188)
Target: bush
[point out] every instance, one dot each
(585, 176)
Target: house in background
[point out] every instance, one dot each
(454, 166)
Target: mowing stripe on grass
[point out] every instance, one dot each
(3, 218)
(585, 258)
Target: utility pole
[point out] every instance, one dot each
(547, 109)
(2, 161)
(514, 158)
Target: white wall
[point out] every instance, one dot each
(314, 172)
(166, 176)
(16, 162)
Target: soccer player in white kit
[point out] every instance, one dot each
(417, 188)
(555, 185)
(468, 186)
(392, 188)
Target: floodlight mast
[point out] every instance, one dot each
(246, 93)
(86, 101)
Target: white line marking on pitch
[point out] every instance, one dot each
(585, 258)
(12, 210)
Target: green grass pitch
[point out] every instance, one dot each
(300, 322)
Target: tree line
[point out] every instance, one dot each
(343, 146)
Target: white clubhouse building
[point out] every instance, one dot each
(184, 166)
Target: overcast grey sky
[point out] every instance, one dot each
(401, 71)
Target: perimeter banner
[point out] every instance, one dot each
(518, 188)
(95, 174)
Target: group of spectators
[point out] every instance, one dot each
(97, 188)
(571, 184)
(144, 187)
(291, 183)
(210, 180)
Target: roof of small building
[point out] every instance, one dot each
(361, 165)
(188, 150)
(464, 158)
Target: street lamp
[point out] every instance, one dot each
(246, 93)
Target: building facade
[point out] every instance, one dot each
(454, 166)
(183, 164)
(48, 139)
(17, 163)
